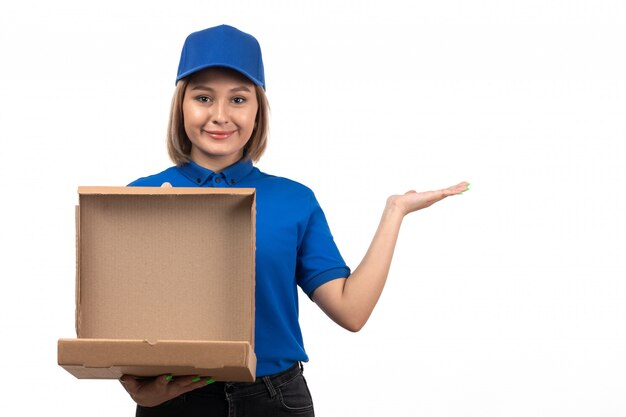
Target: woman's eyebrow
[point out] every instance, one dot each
(241, 88)
(207, 88)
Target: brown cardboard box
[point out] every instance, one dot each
(164, 283)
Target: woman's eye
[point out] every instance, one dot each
(203, 99)
(239, 100)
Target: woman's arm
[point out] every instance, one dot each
(350, 301)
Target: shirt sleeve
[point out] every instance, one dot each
(319, 260)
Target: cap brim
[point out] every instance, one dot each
(200, 68)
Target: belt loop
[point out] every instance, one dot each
(269, 386)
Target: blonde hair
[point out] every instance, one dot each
(179, 145)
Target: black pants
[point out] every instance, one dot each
(282, 394)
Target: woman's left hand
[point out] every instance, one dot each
(413, 201)
(350, 301)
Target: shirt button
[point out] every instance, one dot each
(198, 180)
(218, 180)
(232, 182)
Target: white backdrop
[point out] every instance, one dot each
(505, 301)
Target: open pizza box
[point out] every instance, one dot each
(164, 283)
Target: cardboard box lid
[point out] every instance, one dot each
(166, 263)
(163, 264)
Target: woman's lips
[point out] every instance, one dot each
(219, 134)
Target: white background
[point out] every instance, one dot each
(506, 301)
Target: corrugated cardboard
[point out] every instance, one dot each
(164, 283)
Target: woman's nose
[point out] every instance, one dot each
(220, 113)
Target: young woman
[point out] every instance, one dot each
(218, 128)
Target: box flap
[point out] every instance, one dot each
(100, 190)
(77, 295)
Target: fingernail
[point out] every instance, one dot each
(209, 381)
(196, 379)
(169, 377)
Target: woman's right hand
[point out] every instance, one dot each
(155, 391)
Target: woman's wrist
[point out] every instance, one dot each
(394, 207)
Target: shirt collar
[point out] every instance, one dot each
(200, 175)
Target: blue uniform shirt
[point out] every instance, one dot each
(294, 247)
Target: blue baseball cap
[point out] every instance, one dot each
(222, 46)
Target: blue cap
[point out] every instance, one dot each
(222, 46)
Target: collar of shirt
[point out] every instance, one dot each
(204, 177)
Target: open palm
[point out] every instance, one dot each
(413, 200)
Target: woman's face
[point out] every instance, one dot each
(219, 112)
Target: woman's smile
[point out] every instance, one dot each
(219, 134)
